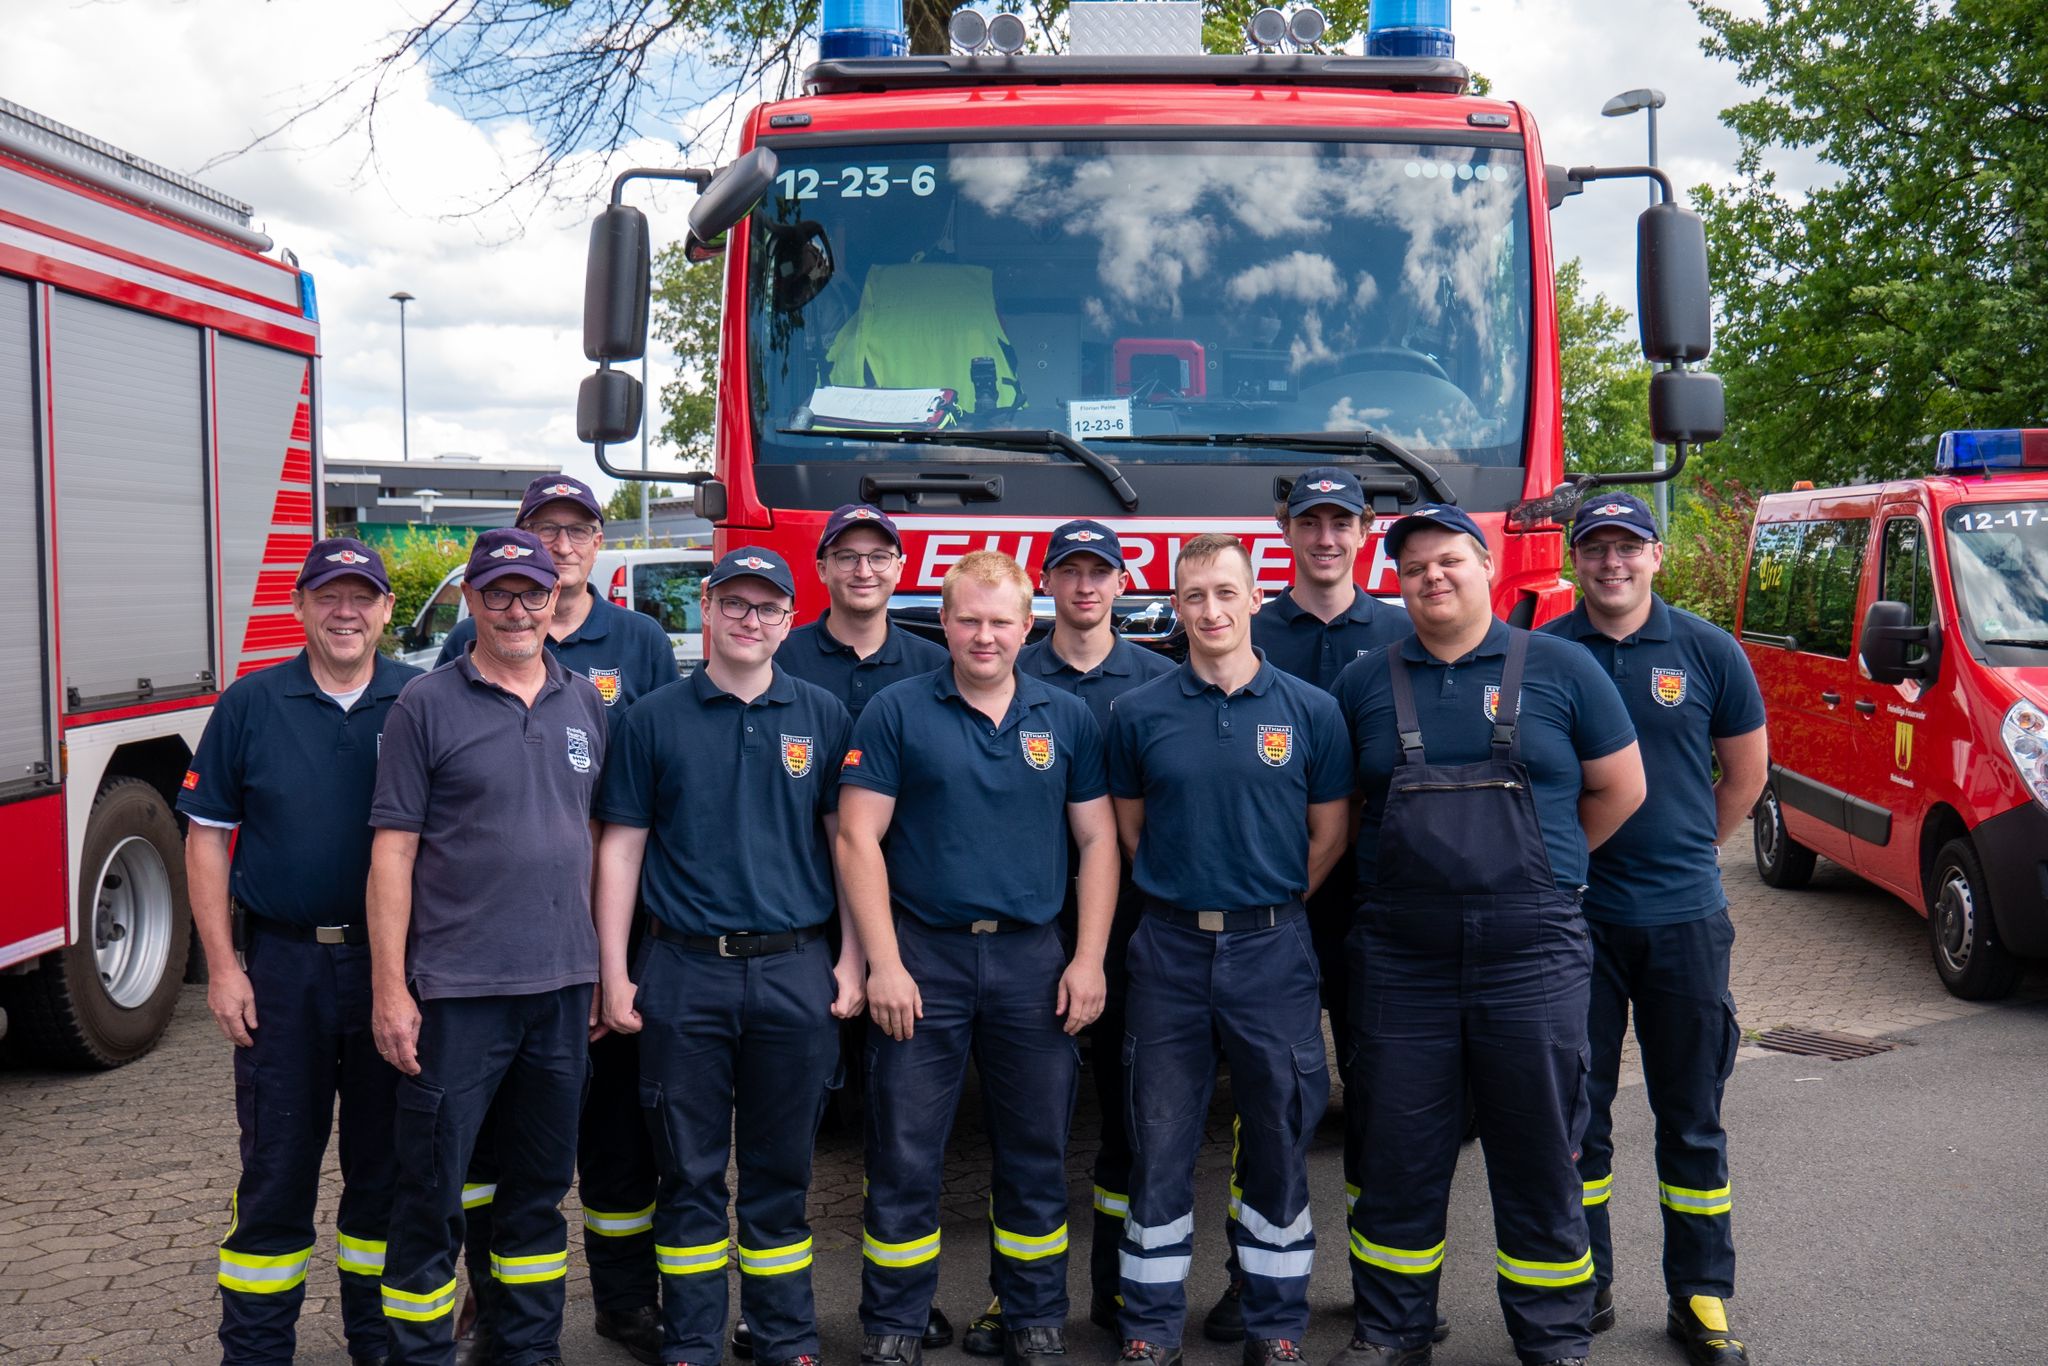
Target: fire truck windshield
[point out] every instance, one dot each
(1143, 289)
(1998, 558)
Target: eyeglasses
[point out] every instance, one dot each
(500, 599)
(575, 533)
(767, 613)
(1620, 550)
(848, 561)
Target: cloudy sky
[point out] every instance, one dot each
(494, 337)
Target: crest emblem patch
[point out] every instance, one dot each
(1276, 745)
(579, 749)
(607, 681)
(796, 755)
(1667, 686)
(1038, 750)
(1493, 701)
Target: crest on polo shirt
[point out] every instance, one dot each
(1667, 686)
(796, 755)
(1493, 702)
(579, 749)
(607, 681)
(1276, 745)
(1038, 750)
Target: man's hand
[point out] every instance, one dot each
(598, 1028)
(893, 1002)
(849, 976)
(395, 1024)
(232, 1001)
(620, 1014)
(1083, 991)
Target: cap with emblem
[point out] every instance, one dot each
(1328, 485)
(338, 556)
(756, 562)
(850, 515)
(1432, 516)
(551, 488)
(1623, 510)
(508, 550)
(1083, 535)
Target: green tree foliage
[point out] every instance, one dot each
(1706, 548)
(624, 506)
(1606, 382)
(685, 316)
(417, 561)
(1910, 295)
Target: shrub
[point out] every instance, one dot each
(417, 560)
(1705, 549)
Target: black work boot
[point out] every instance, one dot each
(1359, 1352)
(1603, 1309)
(1701, 1324)
(638, 1330)
(984, 1335)
(1045, 1345)
(938, 1331)
(1138, 1352)
(1272, 1352)
(891, 1349)
(1225, 1322)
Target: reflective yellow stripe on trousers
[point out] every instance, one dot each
(775, 1261)
(1027, 1247)
(1406, 1261)
(618, 1225)
(403, 1304)
(1686, 1201)
(692, 1261)
(1554, 1275)
(909, 1253)
(257, 1275)
(541, 1266)
(1597, 1192)
(361, 1256)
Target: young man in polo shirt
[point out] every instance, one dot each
(484, 955)
(1231, 782)
(853, 650)
(718, 805)
(1659, 920)
(958, 795)
(283, 779)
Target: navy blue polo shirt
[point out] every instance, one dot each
(1570, 713)
(733, 795)
(815, 655)
(499, 794)
(980, 827)
(1686, 683)
(1123, 668)
(1299, 642)
(625, 654)
(283, 762)
(1227, 782)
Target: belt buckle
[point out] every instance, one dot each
(330, 934)
(1212, 921)
(983, 927)
(723, 950)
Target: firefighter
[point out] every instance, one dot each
(1490, 760)
(1083, 573)
(965, 955)
(627, 655)
(1231, 781)
(483, 953)
(718, 802)
(853, 650)
(1657, 915)
(283, 779)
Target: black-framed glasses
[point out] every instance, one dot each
(849, 561)
(1620, 550)
(575, 533)
(500, 599)
(767, 613)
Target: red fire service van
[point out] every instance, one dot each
(1900, 634)
(159, 378)
(990, 291)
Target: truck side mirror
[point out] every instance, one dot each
(407, 636)
(608, 407)
(1686, 406)
(615, 277)
(1673, 299)
(711, 500)
(1894, 649)
(731, 196)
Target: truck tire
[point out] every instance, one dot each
(107, 999)
(1962, 930)
(1781, 861)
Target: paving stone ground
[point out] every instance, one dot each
(114, 1187)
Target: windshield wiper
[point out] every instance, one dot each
(1399, 454)
(2024, 642)
(1001, 439)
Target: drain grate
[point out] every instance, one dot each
(1823, 1043)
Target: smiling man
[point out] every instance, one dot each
(853, 650)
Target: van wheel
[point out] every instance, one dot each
(1967, 954)
(108, 998)
(1781, 861)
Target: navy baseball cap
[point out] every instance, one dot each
(756, 562)
(339, 556)
(1314, 488)
(849, 515)
(1437, 516)
(508, 550)
(1083, 536)
(1624, 510)
(550, 488)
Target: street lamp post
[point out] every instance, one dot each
(401, 298)
(427, 497)
(1628, 102)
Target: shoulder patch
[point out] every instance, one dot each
(191, 780)
(852, 759)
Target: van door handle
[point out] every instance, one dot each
(1833, 699)
(1866, 706)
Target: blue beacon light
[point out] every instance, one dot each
(862, 28)
(2009, 448)
(1410, 28)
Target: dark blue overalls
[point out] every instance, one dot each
(1471, 964)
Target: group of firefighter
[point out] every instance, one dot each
(548, 911)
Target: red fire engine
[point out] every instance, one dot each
(158, 376)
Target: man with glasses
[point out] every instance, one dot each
(1657, 914)
(853, 650)
(626, 655)
(483, 954)
(718, 805)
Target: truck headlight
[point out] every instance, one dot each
(2025, 733)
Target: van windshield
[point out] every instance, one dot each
(1998, 559)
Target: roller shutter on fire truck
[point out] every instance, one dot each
(25, 758)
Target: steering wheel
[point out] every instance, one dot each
(1406, 358)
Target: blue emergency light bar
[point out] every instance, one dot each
(1410, 28)
(2009, 448)
(862, 28)
(309, 302)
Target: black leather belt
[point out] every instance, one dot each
(1220, 922)
(740, 944)
(306, 934)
